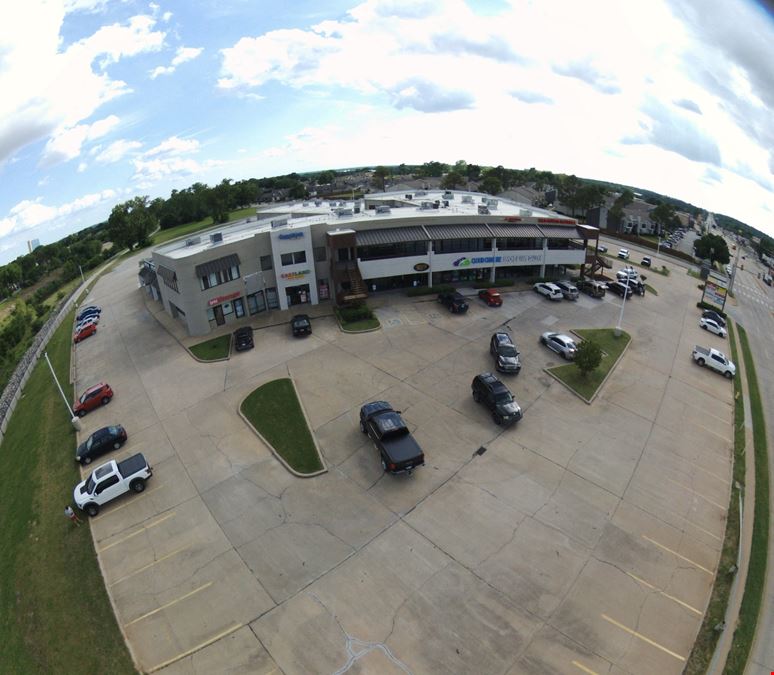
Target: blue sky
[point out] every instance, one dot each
(103, 101)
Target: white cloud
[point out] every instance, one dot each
(173, 146)
(150, 171)
(116, 151)
(183, 54)
(65, 144)
(48, 90)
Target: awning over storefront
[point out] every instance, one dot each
(560, 232)
(471, 231)
(515, 231)
(391, 235)
(217, 265)
(168, 275)
(147, 276)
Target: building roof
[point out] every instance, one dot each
(472, 231)
(392, 235)
(516, 231)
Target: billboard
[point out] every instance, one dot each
(715, 290)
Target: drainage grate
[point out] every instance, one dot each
(480, 451)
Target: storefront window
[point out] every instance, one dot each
(294, 258)
(256, 303)
(272, 299)
(239, 308)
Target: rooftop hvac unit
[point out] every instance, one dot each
(436, 203)
(409, 196)
(383, 209)
(344, 212)
(467, 199)
(216, 238)
(426, 205)
(448, 195)
(318, 202)
(446, 203)
(420, 193)
(525, 212)
(483, 210)
(280, 222)
(357, 208)
(193, 240)
(305, 204)
(492, 203)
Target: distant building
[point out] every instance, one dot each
(32, 244)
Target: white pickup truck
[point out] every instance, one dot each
(712, 358)
(111, 480)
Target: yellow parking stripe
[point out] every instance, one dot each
(148, 566)
(676, 554)
(640, 636)
(169, 604)
(129, 502)
(169, 662)
(134, 534)
(666, 595)
(698, 494)
(584, 669)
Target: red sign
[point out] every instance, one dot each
(563, 221)
(222, 298)
(512, 219)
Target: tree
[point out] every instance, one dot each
(765, 247)
(616, 212)
(568, 191)
(380, 173)
(712, 246)
(131, 223)
(451, 180)
(588, 357)
(491, 185)
(664, 216)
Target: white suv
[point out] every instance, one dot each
(551, 291)
(623, 253)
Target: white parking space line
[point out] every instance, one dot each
(148, 566)
(698, 494)
(134, 534)
(677, 555)
(580, 666)
(666, 595)
(204, 644)
(645, 639)
(169, 604)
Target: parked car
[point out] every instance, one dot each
(398, 450)
(562, 344)
(621, 289)
(569, 290)
(88, 311)
(666, 244)
(646, 261)
(712, 326)
(551, 291)
(711, 314)
(243, 338)
(505, 354)
(111, 480)
(301, 325)
(455, 302)
(627, 273)
(93, 397)
(85, 322)
(491, 297)
(87, 331)
(623, 253)
(712, 358)
(495, 396)
(100, 442)
(602, 249)
(591, 287)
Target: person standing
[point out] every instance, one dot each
(72, 515)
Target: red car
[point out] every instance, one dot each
(491, 297)
(88, 330)
(93, 397)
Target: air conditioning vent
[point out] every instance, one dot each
(216, 238)
(343, 212)
(280, 222)
(382, 209)
(193, 240)
(525, 212)
(483, 210)
(467, 199)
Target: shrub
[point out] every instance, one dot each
(588, 357)
(355, 312)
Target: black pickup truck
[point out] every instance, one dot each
(398, 450)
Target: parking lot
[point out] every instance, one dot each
(584, 539)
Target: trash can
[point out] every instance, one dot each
(76, 421)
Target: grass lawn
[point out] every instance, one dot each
(273, 409)
(211, 350)
(704, 646)
(612, 346)
(756, 572)
(650, 289)
(188, 228)
(358, 325)
(55, 616)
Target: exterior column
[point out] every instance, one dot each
(494, 255)
(545, 253)
(430, 258)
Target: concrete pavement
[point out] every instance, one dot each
(584, 539)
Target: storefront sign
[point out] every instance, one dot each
(223, 298)
(520, 259)
(292, 235)
(293, 276)
(714, 293)
(421, 267)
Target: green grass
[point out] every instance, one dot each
(650, 288)
(358, 324)
(756, 572)
(707, 638)
(211, 350)
(55, 616)
(612, 346)
(273, 409)
(188, 228)
(693, 273)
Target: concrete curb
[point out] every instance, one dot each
(602, 383)
(274, 451)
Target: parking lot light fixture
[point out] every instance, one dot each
(617, 331)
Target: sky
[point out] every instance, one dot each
(105, 100)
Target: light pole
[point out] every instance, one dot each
(733, 271)
(83, 281)
(61, 391)
(620, 316)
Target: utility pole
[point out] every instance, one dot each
(733, 271)
(59, 386)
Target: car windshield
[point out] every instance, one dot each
(300, 323)
(90, 442)
(507, 350)
(90, 483)
(503, 397)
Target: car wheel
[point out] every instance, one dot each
(81, 413)
(92, 509)
(384, 465)
(565, 357)
(105, 400)
(138, 485)
(497, 419)
(704, 326)
(543, 340)
(87, 460)
(728, 374)
(362, 427)
(700, 361)
(116, 445)
(476, 396)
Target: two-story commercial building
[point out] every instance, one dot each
(308, 252)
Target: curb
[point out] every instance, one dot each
(271, 447)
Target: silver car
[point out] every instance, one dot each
(569, 291)
(562, 344)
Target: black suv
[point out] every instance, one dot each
(620, 288)
(505, 354)
(710, 314)
(455, 302)
(243, 338)
(301, 325)
(493, 394)
(100, 442)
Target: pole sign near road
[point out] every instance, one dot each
(715, 290)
